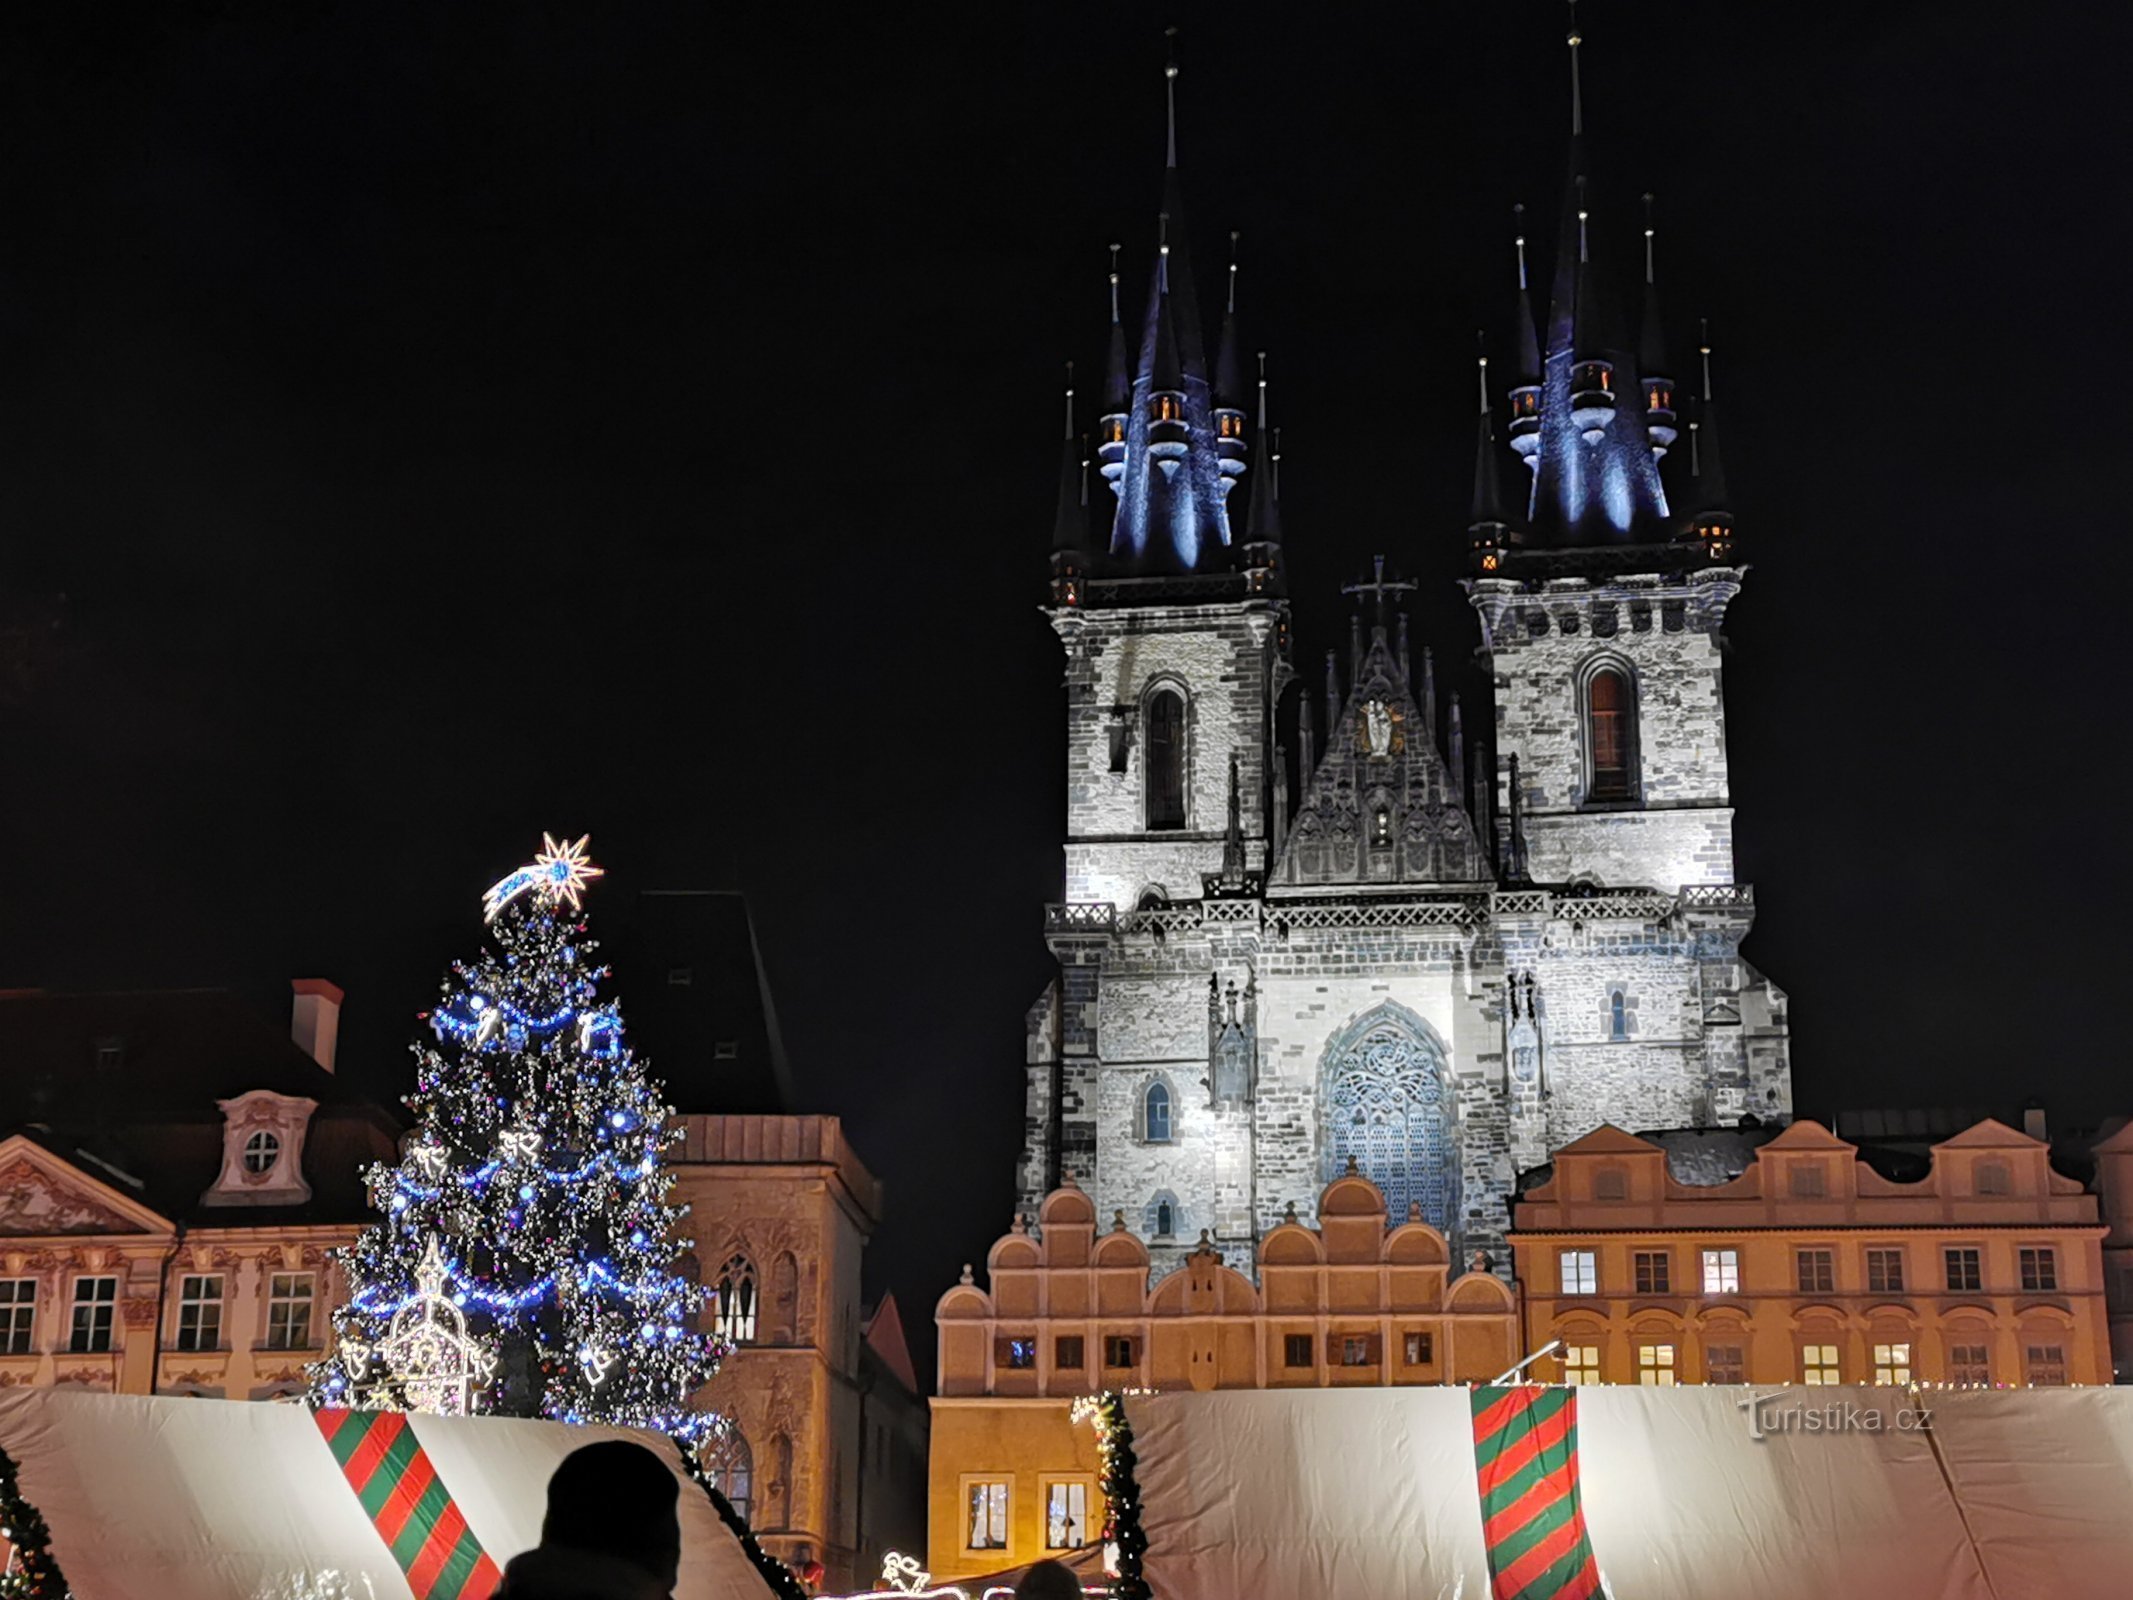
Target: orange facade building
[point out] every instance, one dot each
(1069, 1310)
(1812, 1267)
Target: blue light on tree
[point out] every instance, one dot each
(535, 1169)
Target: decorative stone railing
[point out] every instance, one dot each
(1717, 896)
(1080, 916)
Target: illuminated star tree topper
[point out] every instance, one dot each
(560, 871)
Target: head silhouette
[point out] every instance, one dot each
(616, 1499)
(1048, 1580)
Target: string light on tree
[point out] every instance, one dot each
(526, 1241)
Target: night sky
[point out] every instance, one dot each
(448, 423)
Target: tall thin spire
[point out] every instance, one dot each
(1653, 368)
(1486, 524)
(1229, 365)
(1710, 517)
(1070, 532)
(1117, 381)
(1263, 521)
(1577, 88)
(1170, 92)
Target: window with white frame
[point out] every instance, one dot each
(1655, 1366)
(1884, 1271)
(1066, 1514)
(200, 1311)
(1155, 1113)
(2040, 1269)
(18, 1316)
(1818, 1365)
(1721, 1270)
(289, 1299)
(261, 1150)
(94, 1301)
(985, 1514)
(1892, 1363)
(1581, 1363)
(735, 1316)
(1579, 1270)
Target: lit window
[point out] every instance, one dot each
(1580, 1272)
(1581, 1363)
(261, 1151)
(1818, 1272)
(1166, 408)
(1723, 1363)
(1421, 1350)
(1818, 1365)
(1021, 1354)
(1232, 426)
(1066, 1515)
(1892, 1364)
(1655, 1366)
(1114, 428)
(2047, 1365)
(200, 1312)
(1965, 1272)
(2040, 1270)
(1721, 1271)
(93, 1300)
(1381, 829)
(1884, 1271)
(18, 1315)
(735, 1320)
(1296, 1350)
(1608, 708)
(985, 1509)
(1356, 1351)
(289, 1296)
(1155, 1114)
(1653, 1269)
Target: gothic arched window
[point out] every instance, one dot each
(1618, 1015)
(1610, 729)
(1166, 1218)
(736, 1301)
(1155, 1113)
(1166, 759)
(1384, 1104)
(732, 1468)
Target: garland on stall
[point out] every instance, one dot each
(31, 1572)
(1122, 1494)
(775, 1572)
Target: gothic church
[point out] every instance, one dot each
(1312, 923)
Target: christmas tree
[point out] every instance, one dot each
(524, 1265)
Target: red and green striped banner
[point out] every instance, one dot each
(409, 1505)
(1532, 1518)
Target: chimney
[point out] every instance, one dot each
(2033, 1122)
(315, 1024)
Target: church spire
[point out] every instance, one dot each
(1526, 375)
(1486, 525)
(1652, 364)
(1710, 517)
(1070, 529)
(1229, 388)
(1262, 525)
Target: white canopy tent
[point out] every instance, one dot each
(185, 1499)
(1372, 1494)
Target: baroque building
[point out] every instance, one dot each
(1314, 917)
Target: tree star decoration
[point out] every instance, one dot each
(434, 1362)
(560, 871)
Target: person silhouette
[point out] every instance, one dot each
(1049, 1580)
(611, 1533)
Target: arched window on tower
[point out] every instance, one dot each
(1155, 1113)
(1611, 727)
(1166, 759)
(736, 1301)
(1617, 1015)
(732, 1469)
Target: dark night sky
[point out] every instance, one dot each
(450, 422)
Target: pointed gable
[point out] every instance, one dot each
(42, 1195)
(1609, 1140)
(1990, 1134)
(1381, 808)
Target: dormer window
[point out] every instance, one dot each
(1231, 425)
(262, 1151)
(1114, 430)
(1168, 408)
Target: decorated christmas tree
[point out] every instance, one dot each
(525, 1261)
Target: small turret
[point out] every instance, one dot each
(1229, 386)
(1526, 380)
(1652, 366)
(1487, 528)
(1070, 531)
(1117, 399)
(1168, 435)
(1261, 550)
(1709, 519)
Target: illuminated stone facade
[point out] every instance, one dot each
(1812, 1267)
(1068, 1308)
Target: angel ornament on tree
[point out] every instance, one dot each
(525, 1262)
